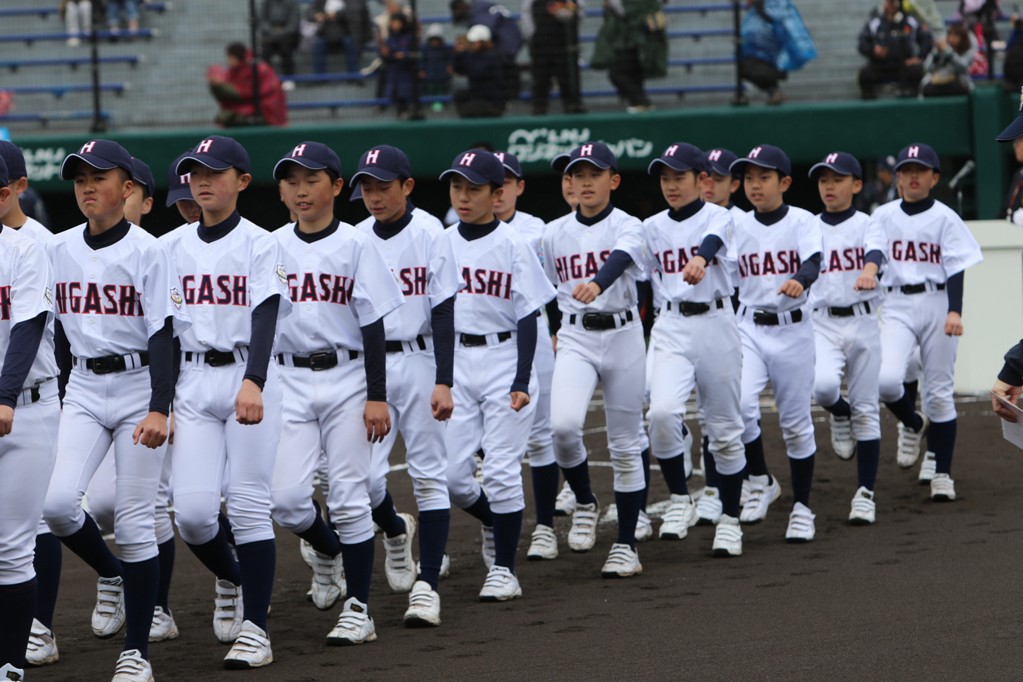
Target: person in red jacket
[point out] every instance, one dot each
(233, 89)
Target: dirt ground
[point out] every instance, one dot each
(930, 592)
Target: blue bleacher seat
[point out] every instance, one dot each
(29, 38)
(59, 91)
(73, 62)
(50, 116)
(43, 12)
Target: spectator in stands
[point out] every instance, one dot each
(947, 67)
(397, 55)
(774, 41)
(881, 189)
(633, 45)
(234, 91)
(478, 59)
(1012, 67)
(435, 67)
(278, 27)
(554, 53)
(77, 15)
(505, 36)
(331, 32)
(127, 10)
(360, 32)
(895, 45)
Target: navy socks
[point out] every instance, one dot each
(47, 563)
(16, 605)
(385, 516)
(730, 490)
(358, 562)
(481, 510)
(578, 478)
(644, 457)
(839, 409)
(674, 471)
(802, 478)
(506, 538)
(868, 454)
(628, 515)
(167, 552)
(941, 440)
(756, 465)
(258, 561)
(710, 467)
(88, 543)
(323, 539)
(140, 587)
(904, 410)
(216, 556)
(433, 540)
(545, 492)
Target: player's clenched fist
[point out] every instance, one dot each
(519, 400)
(694, 270)
(6, 420)
(953, 324)
(586, 293)
(151, 431)
(377, 419)
(441, 402)
(791, 288)
(248, 405)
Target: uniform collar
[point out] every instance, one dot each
(772, 217)
(388, 230)
(687, 211)
(309, 238)
(211, 233)
(915, 207)
(108, 237)
(594, 219)
(471, 231)
(838, 217)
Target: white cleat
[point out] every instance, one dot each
(543, 545)
(250, 650)
(307, 552)
(622, 562)
(909, 443)
(565, 503)
(863, 511)
(12, 674)
(500, 585)
(445, 567)
(354, 625)
(727, 537)
(801, 524)
(842, 441)
(163, 626)
(744, 493)
(763, 490)
(679, 518)
(328, 584)
(108, 614)
(399, 566)
(423, 606)
(487, 547)
(943, 488)
(928, 467)
(42, 646)
(227, 612)
(709, 507)
(644, 527)
(687, 451)
(583, 534)
(131, 667)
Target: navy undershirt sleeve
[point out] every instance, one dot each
(553, 316)
(62, 349)
(709, 247)
(809, 271)
(442, 320)
(954, 289)
(264, 326)
(874, 256)
(22, 348)
(1012, 372)
(612, 269)
(526, 342)
(161, 368)
(374, 346)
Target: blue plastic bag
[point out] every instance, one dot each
(784, 41)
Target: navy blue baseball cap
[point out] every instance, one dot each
(15, 160)
(311, 155)
(100, 154)
(384, 163)
(680, 157)
(177, 183)
(478, 166)
(4, 175)
(887, 163)
(918, 153)
(141, 174)
(596, 153)
(841, 163)
(510, 162)
(719, 161)
(1014, 129)
(216, 152)
(765, 156)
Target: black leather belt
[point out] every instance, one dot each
(113, 363)
(399, 346)
(916, 288)
(33, 393)
(687, 308)
(602, 321)
(320, 361)
(481, 339)
(849, 311)
(766, 319)
(213, 358)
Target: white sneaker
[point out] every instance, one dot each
(565, 502)
(801, 527)
(500, 585)
(445, 567)
(927, 469)
(943, 488)
(677, 520)
(42, 646)
(131, 667)
(108, 614)
(9, 672)
(163, 626)
(763, 490)
(399, 566)
(744, 493)
(250, 650)
(644, 527)
(708, 507)
(863, 509)
(842, 441)
(328, 584)
(307, 552)
(622, 562)
(583, 534)
(487, 547)
(727, 537)
(423, 606)
(227, 612)
(687, 451)
(543, 545)
(354, 625)
(909, 443)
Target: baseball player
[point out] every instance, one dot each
(594, 261)
(28, 386)
(333, 367)
(420, 372)
(695, 340)
(845, 301)
(495, 388)
(228, 411)
(118, 311)
(929, 249)
(778, 248)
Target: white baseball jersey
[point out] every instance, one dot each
(845, 248)
(338, 283)
(26, 289)
(672, 243)
(736, 212)
(423, 263)
(224, 280)
(502, 278)
(927, 247)
(110, 300)
(427, 218)
(35, 229)
(574, 253)
(769, 255)
(530, 228)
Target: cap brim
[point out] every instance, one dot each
(718, 169)
(94, 161)
(821, 166)
(177, 194)
(516, 173)
(559, 162)
(470, 175)
(1012, 131)
(202, 159)
(305, 163)
(590, 160)
(375, 173)
(677, 167)
(919, 162)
